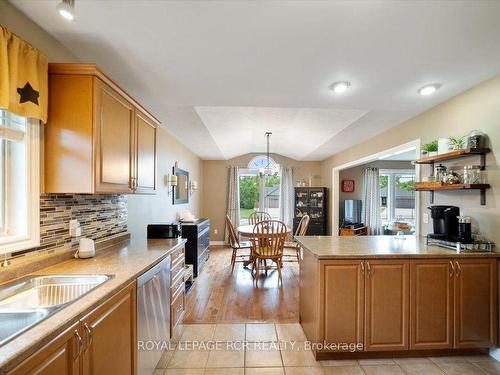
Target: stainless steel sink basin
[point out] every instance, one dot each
(27, 301)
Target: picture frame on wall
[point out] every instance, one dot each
(348, 186)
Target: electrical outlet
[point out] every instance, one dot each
(426, 218)
(216, 231)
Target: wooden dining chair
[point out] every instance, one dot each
(268, 244)
(237, 246)
(293, 245)
(258, 216)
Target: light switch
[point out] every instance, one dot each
(426, 218)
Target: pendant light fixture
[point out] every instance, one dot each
(271, 169)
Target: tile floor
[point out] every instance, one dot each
(263, 356)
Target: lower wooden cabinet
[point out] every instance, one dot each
(431, 304)
(59, 357)
(344, 293)
(386, 304)
(476, 303)
(409, 304)
(110, 336)
(102, 342)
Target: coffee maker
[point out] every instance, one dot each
(445, 222)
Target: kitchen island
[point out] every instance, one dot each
(378, 296)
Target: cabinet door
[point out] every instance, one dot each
(145, 165)
(59, 357)
(386, 304)
(110, 335)
(113, 140)
(343, 301)
(475, 303)
(431, 304)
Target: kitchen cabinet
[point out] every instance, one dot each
(59, 357)
(431, 303)
(98, 139)
(110, 335)
(476, 303)
(343, 303)
(177, 289)
(386, 304)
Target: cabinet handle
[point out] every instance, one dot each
(369, 269)
(362, 268)
(89, 334)
(79, 343)
(452, 272)
(459, 269)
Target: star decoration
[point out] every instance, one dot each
(28, 94)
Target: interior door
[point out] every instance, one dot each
(114, 140)
(343, 301)
(431, 303)
(145, 154)
(386, 304)
(476, 303)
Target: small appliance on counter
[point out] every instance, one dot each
(444, 222)
(86, 248)
(164, 230)
(453, 231)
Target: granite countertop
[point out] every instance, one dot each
(331, 247)
(125, 261)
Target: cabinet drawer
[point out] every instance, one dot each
(176, 268)
(176, 310)
(177, 257)
(177, 281)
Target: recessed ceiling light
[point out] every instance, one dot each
(429, 89)
(340, 87)
(66, 8)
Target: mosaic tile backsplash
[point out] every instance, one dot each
(100, 216)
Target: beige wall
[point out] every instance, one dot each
(147, 209)
(215, 182)
(477, 108)
(21, 25)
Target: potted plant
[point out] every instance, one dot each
(431, 148)
(457, 143)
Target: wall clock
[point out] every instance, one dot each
(347, 186)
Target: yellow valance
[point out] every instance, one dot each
(23, 77)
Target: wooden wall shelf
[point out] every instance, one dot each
(453, 155)
(457, 154)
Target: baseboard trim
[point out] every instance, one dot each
(217, 243)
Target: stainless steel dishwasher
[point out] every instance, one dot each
(153, 316)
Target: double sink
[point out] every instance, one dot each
(28, 300)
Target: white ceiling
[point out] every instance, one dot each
(220, 73)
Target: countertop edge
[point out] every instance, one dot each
(446, 253)
(12, 361)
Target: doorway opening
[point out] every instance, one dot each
(381, 198)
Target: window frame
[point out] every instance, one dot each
(13, 243)
(391, 191)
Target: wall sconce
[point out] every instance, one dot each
(193, 186)
(171, 183)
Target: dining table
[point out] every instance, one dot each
(247, 230)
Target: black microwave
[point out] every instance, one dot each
(164, 231)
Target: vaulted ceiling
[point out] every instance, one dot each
(219, 74)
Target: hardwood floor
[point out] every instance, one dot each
(221, 297)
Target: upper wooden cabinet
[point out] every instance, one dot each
(97, 139)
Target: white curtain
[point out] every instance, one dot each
(286, 196)
(372, 201)
(233, 198)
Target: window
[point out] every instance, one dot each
(259, 192)
(19, 182)
(398, 196)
